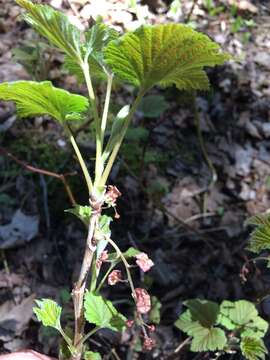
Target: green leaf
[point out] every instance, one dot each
(48, 312)
(90, 355)
(164, 54)
(153, 106)
(253, 349)
(206, 339)
(96, 39)
(128, 254)
(81, 212)
(242, 316)
(54, 26)
(102, 313)
(260, 237)
(154, 315)
(206, 312)
(34, 99)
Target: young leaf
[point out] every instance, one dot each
(152, 106)
(81, 212)
(242, 316)
(253, 349)
(33, 99)
(90, 355)
(260, 237)
(208, 340)
(203, 338)
(102, 313)
(206, 312)
(154, 315)
(54, 26)
(164, 54)
(48, 312)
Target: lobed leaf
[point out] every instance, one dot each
(48, 312)
(81, 212)
(102, 313)
(207, 339)
(260, 237)
(42, 98)
(90, 355)
(54, 26)
(253, 349)
(164, 54)
(206, 312)
(242, 316)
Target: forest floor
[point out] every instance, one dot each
(191, 226)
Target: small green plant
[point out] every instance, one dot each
(224, 328)
(165, 55)
(211, 7)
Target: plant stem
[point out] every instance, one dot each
(133, 292)
(79, 288)
(81, 161)
(114, 153)
(104, 278)
(93, 102)
(88, 335)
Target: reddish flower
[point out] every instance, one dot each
(114, 277)
(151, 328)
(143, 301)
(112, 194)
(103, 257)
(148, 343)
(144, 262)
(129, 323)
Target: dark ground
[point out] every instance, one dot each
(194, 232)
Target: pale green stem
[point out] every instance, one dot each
(88, 335)
(93, 103)
(81, 161)
(127, 266)
(114, 153)
(104, 278)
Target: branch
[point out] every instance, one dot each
(34, 169)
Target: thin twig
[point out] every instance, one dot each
(191, 11)
(34, 169)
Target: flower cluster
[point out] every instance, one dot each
(115, 277)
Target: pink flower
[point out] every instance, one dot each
(114, 277)
(112, 194)
(151, 328)
(143, 301)
(148, 343)
(103, 257)
(144, 262)
(129, 323)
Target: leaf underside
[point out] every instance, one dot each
(253, 349)
(42, 98)
(53, 25)
(164, 54)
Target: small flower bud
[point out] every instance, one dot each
(114, 277)
(112, 194)
(151, 328)
(143, 301)
(129, 323)
(148, 343)
(144, 262)
(103, 257)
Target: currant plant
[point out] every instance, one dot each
(165, 55)
(225, 328)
